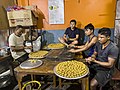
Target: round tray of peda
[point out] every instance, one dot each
(55, 46)
(31, 63)
(38, 54)
(71, 70)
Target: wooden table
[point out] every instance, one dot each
(4, 57)
(45, 69)
(84, 81)
(5, 63)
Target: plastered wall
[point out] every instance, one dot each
(99, 12)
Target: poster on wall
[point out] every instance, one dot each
(117, 24)
(56, 11)
(117, 31)
(118, 10)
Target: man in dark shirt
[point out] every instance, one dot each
(103, 60)
(71, 35)
(89, 46)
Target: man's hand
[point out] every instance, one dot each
(62, 41)
(71, 46)
(90, 59)
(72, 50)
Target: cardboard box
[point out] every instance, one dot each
(22, 21)
(22, 17)
(33, 7)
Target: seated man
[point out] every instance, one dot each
(16, 44)
(101, 63)
(71, 35)
(89, 46)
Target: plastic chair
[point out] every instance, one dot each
(31, 84)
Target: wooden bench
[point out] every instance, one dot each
(115, 79)
(116, 75)
(113, 82)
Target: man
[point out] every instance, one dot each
(103, 60)
(16, 44)
(89, 46)
(71, 35)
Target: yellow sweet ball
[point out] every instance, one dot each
(56, 45)
(32, 61)
(71, 69)
(38, 54)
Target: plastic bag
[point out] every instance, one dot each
(37, 44)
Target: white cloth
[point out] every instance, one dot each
(16, 41)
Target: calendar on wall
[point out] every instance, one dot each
(56, 11)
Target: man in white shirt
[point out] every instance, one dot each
(16, 44)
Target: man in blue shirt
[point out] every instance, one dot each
(71, 35)
(101, 63)
(89, 46)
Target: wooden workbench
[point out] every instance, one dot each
(46, 69)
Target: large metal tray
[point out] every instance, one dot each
(38, 57)
(55, 46)
(71, 78)
(28, 65)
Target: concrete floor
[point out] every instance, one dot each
(11, 85)
(49, 87)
